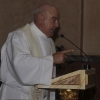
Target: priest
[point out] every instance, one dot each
(28, 57)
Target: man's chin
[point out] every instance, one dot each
(51, 35)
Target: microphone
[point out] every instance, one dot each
(87, 66)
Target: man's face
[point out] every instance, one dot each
(50, 22)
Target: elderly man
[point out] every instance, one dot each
(28, 57)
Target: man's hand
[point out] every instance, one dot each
(60, 57)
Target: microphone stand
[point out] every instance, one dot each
(86, 66)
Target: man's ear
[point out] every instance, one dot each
(40, 17)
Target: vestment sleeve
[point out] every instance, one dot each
(27, 69)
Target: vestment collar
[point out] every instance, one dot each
(37, 31)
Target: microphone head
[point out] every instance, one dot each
(61, 35)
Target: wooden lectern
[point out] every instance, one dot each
(77, 80)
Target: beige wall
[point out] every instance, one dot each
(16, 13)
(91, 38)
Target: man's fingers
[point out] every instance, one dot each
(66, 51)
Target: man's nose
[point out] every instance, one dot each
(57, 24)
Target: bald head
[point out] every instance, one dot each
(42, 9)
(47, 6)
(46, 18)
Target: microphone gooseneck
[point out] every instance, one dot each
(87, 66)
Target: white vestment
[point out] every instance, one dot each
(20, 70)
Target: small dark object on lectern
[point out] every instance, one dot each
(87, 66)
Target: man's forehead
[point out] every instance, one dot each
(53, 12)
